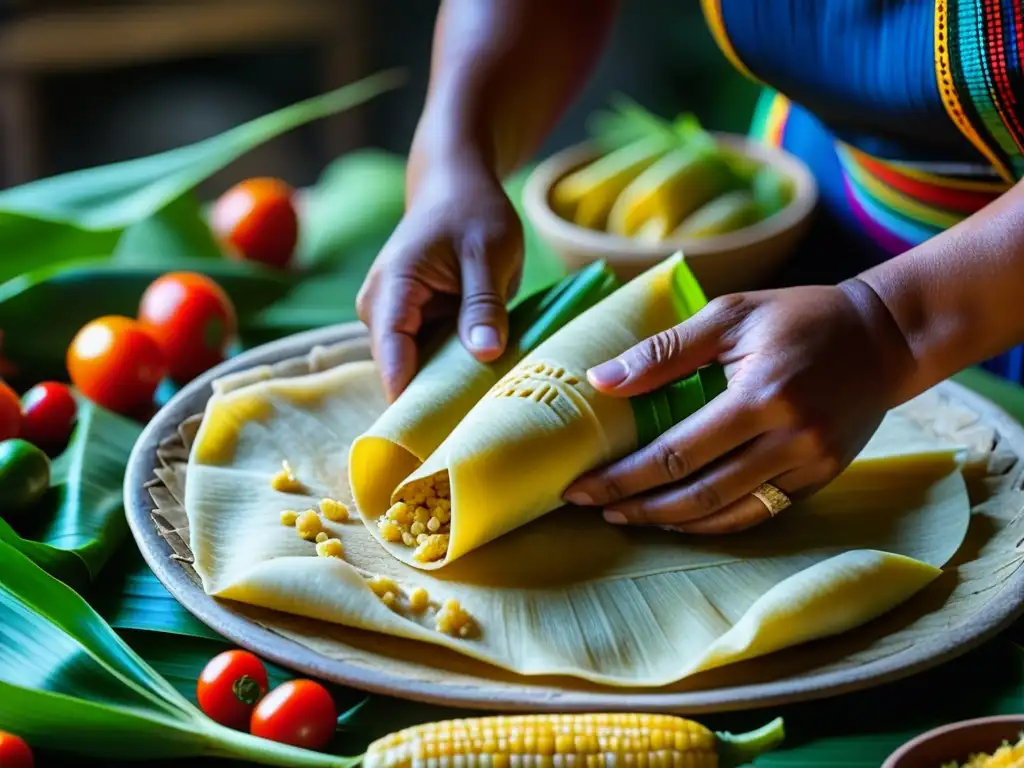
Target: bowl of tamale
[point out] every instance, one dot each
(736, 208)
(984, 742)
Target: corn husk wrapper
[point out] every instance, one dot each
(565, 594)
(520, 445)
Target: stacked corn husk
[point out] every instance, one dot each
(656, 181)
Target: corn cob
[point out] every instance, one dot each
(671, 189)
(727, 213)
(586, 195)
(568, 741)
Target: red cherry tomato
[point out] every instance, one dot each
(191, 318)
(255, 220)
(230, 686)
(14, 752)
(48, 414)
(10, 413)
(116, 364)
(299, 712)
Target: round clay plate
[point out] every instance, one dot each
(980, 593)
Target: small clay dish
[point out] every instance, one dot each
(956, 742)
(735, 261)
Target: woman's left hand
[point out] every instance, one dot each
(811, 372)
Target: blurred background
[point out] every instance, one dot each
(86, 82)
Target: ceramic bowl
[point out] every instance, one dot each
(956, 742)
(735, 261)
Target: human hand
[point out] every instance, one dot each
(457, 251)
(811, 372)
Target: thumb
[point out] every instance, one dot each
(665, 357)
(483, 318)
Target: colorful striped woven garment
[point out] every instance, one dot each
(978, 48)
(978, 67)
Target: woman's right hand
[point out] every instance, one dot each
(458, 251)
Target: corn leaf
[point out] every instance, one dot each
(81, 518)
(130, 597)
(81, 214)
(180, 660)
(63, 565)
(63, 670)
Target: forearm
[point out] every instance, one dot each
(958, 299)
(502, 73)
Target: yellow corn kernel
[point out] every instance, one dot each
(419, 599)
(432, 548)
(389, 599)
(381, 585)
(541, 739)
(400, 513)
(322, 537)
(333, 510)
(288, 517)
(452, 619)
(307, 525)
(422, 509)
(389, 531)
(330, 548)
(285, 480)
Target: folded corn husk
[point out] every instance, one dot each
(519, 447)
(567, 594)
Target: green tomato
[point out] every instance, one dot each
(24, 476)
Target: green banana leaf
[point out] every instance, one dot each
(342, 241)
(89, 289)
(81, 214)
(80, 523)
(28, 242)
(860, 730)
(178, 231)
(352, 209)
(542, 267)
(64, 671)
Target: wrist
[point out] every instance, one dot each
(442, 144)
(896, 363)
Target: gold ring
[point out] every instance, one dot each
(774, 499)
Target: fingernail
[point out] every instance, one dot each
(608, 374)
(484, 337)
(615, 518)
(579, 498)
